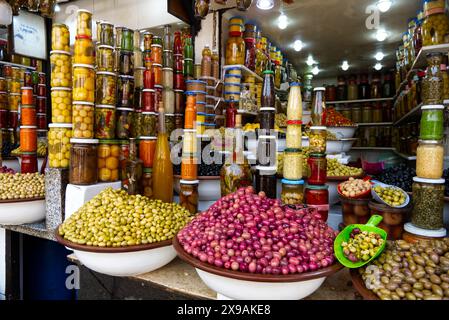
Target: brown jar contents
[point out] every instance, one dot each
(83, 161)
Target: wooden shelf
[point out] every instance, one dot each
(375, 124)
(359, 101)
(411, 113)
(17, 65)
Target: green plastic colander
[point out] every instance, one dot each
(343, 236)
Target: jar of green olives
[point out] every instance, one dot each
(428, 203)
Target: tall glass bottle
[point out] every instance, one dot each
(134, 170)
(319, 107)
(268, 93)
(206, 62)
(215, 65)
(162, 165)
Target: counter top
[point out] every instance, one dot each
(38, 229)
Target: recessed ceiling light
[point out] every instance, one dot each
(265, 4)
(384, 5)
(378, 66)
(283, 21)
(379, 56)
(381, 35)
(297, 45)
(310, 61)
(315, 70)
(57, 8)
(345, 65)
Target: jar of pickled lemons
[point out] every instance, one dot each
(105, 58)
(436, 23)
(108, 160)
(61, 105)
(83, 50)
(83, 83)
(83, 119)
(60, 37)
(84, 23)
(61, 68)
(106, 88)
(59, 145)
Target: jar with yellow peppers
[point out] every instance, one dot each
(61, 105)
(59, 145)
(106, 88)
(84, 23)
(83, 119)
(105, 58)
(61, 69)
(83, 50)
(317, 139)
(60, 37)
(83, 83)
(436, 23)
(108, 160)
(235, 50)
(106, 34)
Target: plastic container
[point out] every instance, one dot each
(28, 138)
(104, 122)
(432, 122)
(292, 192)
(84, 52)
(430, 159)
(83, 120)
(108, 160)
(428, 203)
(61, 105)
(393, 218)
(147, 149)
(317, 164)
(61, 69)
(83, 161)
(105, 58)
(83, 83)
(59, 145)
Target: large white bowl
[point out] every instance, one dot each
(123, 262)
(18, 212)
(343, 132)
(208, 189)
(334, 146)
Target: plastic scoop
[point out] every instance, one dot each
(380, 200)
(344, 236)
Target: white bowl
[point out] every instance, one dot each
(21, 211)
(343, 132)
(208, 189)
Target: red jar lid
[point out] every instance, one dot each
(294, 122)
(83, 36)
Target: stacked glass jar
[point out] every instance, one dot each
(316, 193)
(235, 46)
(60, 130)
(209, 74)
(198, 89)
(188, 195)
(168, 94)
(436, 23)
(292, 184)
(83, 146)
(178, 80)
(428, 185)
(28, 131)
(266, 180)
(188, 58)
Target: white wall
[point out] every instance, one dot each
(205, 36)
(2, 264)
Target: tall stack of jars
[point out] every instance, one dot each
(139, 71)
(316, 193)
(267, 145)
(188, 195)
(188, 57)
(178, 80)
(292, 184)
(83, 149)
(168, 94)
(28, 132)
(60, 130)
(198, 89)
(209, 68)
(428, 185)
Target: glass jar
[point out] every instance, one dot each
(189, 168)
(28, 115)
(179, 101)
(14, 101)
(430, 159)
(318, 107)
(84, 23)
(292, 192)
(106, 34)
(318, 197)
(432, 122)
(83, 83)
(124, 121)
(84, 52)
(434, 27)
(367, 114)
(3, 85)
(4, 118)
(138, 77)
(148, 100)
(83, 120)
(377, 113)
(125, 91)
(83, 161)
(428, 203)
(179, 121)
(235, 50)
(41, 121)
(105, 58)
(29, 162)
(167, 59)
(188, 68)
(41, 90)
(136, 126)
(294, 134)
(250, 54)
(292, 164)
(127, 39)
(356, 114)
(169, 123)
(317, 139)
(188, 195)
(157, 74)
(317, 165)
(108, 160)
(61, 105)
(104, 121)
(106, 88)
(149, 124)
(189, 143)
(61, 69)
(59, 145)
(156, 53)
(432, 84)
(294, 106)
(147, 182)
(352, 88)
(266, 119)
(266, 181)
(148, 79)
(168, 100)
(266, 150)
(60, 37)
(147, 40)
(147, 149)
(167, 78)
(27, 95)
(126, 63)
(13, 119)
(28, 138)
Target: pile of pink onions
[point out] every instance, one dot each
(249, 232)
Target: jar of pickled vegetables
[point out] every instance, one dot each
(104, 122)
(149, 124)
(168, 100)
(318, 197)
(432, 84)
(147, 149)
(106, 34)
(14, 86)
(157, 73)
(169, 123)
(106, 88)
(428, 203)
(84, 50)
(292, 192)
(61, 105)
(317, 139)
(61, 69)
(188, 195)
(59, 145)
(105, 58)
(127, 39)
(4, 118)
(60, 37)
(126, 63)
(83, 161)
(147, 182)
(435, 26)
(84, 23)
(124, 122)
(13, 119)
(28, 138)
(138, 77)
(28, 115)
(27, 95)
(148, 100)
(83, 83)
(235, 51)
(432, 122)
(125, 91)
(294, 134)
(317, 165)
(83, 119)
(3, 85)
(14, 101)
(108, 160)
(430, 159)
(292, 164)
(29, 162)
(156, 53)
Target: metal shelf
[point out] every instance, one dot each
(412, 112)
(359, 101)
(375, 124)
(18, 65)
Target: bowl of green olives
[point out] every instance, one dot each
(392, 196)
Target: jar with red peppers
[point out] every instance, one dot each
(318, 169)
(318, 197)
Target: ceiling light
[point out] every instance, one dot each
(283, 21)
(310, 61)
(345, 65)
(57, 8)
(265, 4)
(297, 45)
(381, 35)
(315, 70)
(384, 5)
(379, 56)
(378, 66)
